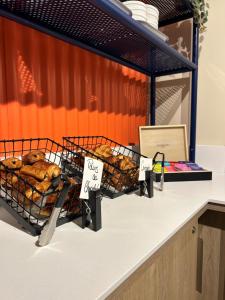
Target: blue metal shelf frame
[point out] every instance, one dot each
(194, 94)
(153, 100)
(127, 42)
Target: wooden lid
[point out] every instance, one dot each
(171, 140)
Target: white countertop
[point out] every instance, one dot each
(85, 265)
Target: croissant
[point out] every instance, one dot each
(33, 157)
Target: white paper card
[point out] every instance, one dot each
(145, 165)
(92, 176)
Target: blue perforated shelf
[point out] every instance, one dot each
(171, 11)
(101, 27)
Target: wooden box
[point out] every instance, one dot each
(172, 141)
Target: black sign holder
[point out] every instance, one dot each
(147, 184)
(94, 217)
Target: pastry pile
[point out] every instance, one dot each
(30, 182)
(120, 169)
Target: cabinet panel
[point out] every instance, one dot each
(170, 275)
(212, 233)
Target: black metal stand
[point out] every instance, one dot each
(32, 228)
(94, 203)
(147, 184)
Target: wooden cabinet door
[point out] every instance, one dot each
(168, 275)
(212, 233)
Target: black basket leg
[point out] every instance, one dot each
(96, 215)
(147, 184)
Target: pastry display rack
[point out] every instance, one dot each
(27, 200)
(117, 179)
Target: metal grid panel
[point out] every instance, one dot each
(102, 28)
(171, 11)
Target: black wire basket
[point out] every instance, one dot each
(115, 181)
(24, 199)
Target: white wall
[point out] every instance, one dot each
(174, 97)
(211, 93)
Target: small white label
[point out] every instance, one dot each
(145, 165)
(92, 176)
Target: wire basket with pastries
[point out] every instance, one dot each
(31, 180)
(121, 164)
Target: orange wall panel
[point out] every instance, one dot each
(50, 88)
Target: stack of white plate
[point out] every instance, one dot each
(152, 16)
(138, 9)
(143, 12)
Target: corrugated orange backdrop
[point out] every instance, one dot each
(49, 88)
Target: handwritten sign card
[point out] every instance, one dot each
(145, 165)
(92, 176)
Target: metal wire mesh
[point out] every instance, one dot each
(171, 10)
(84, 21)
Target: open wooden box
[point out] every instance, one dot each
(172, 141)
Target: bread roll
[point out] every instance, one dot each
(37, 173)
(126, 164)
(51, 199)
(112, 161)
(72, 207)
(33, 157)
(11, 163)
(7, 178)
(41, 170)
(52, 170)
(45, 212)
(24, 187)
(118, 181)
(103, 150)
(79, 160)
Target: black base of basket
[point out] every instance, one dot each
(34, 230)
(185, 176)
